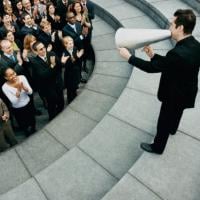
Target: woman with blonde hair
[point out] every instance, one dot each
(71, 59)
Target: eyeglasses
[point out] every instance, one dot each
(41, 48)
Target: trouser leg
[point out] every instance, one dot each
(3, 144)
(9, 134)
(169, 119)
(60, 101)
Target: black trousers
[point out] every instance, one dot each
(168, 122)
(25, 116)
(55, 103)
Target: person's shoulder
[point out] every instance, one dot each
(22, 77)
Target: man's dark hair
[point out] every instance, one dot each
(35, 45)
(187, 18)
(24, 15)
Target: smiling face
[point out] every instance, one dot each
(26, 4)
(28, 20)
(6, 47)
(10, 75)
(10, 36)
(77, 7)
(41, 50)
(71, 18)
(68, 43)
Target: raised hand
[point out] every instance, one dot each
(53, 61)
(64, 58)
(80, 53)
(23, 87)
(19, 59)
(25, 54)
(149, 51)
(125, 53)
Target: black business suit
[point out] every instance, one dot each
(178, 85)
(46, 39)
(72, 74)
(69, 31)
(25, 30)
(49, 83)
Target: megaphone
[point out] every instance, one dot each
(137, 38)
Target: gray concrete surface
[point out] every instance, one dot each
(106, 144)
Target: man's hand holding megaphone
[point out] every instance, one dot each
(149, 51)
(125, 53)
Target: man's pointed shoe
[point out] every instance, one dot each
(149, 148)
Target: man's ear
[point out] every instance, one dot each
(181, 28)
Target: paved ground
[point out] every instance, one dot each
(91, 150)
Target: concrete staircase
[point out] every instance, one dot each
(91, 150)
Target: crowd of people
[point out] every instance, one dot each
(44, 47)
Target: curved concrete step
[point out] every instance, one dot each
(175, 174)
(73, 124)
(95, 165)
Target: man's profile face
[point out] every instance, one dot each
(41, 50)
(174, 30)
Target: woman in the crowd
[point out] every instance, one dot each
(16, 44)
(29, 40)
(18, 11)
(9, 10)
(71, 59)
(80, 14)
(17, 90)
(82, 17)
(52, 17)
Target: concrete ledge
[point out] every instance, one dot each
(106, 16)
(195, 4)
(151, 11)
(56, 138)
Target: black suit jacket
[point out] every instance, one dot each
(26, 30)
(48, 80)
(8, 62)
(69, 31)
(179, 72)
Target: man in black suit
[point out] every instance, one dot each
(29, 26)
(74, 30)
(179, 76)
(47, 76)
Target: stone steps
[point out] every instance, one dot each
(89, 147)
(175, 174)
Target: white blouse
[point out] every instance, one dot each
(10, 92)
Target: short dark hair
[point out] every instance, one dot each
(24, 15)
(187, 18)
(35, 45)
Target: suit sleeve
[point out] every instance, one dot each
(158, 63)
